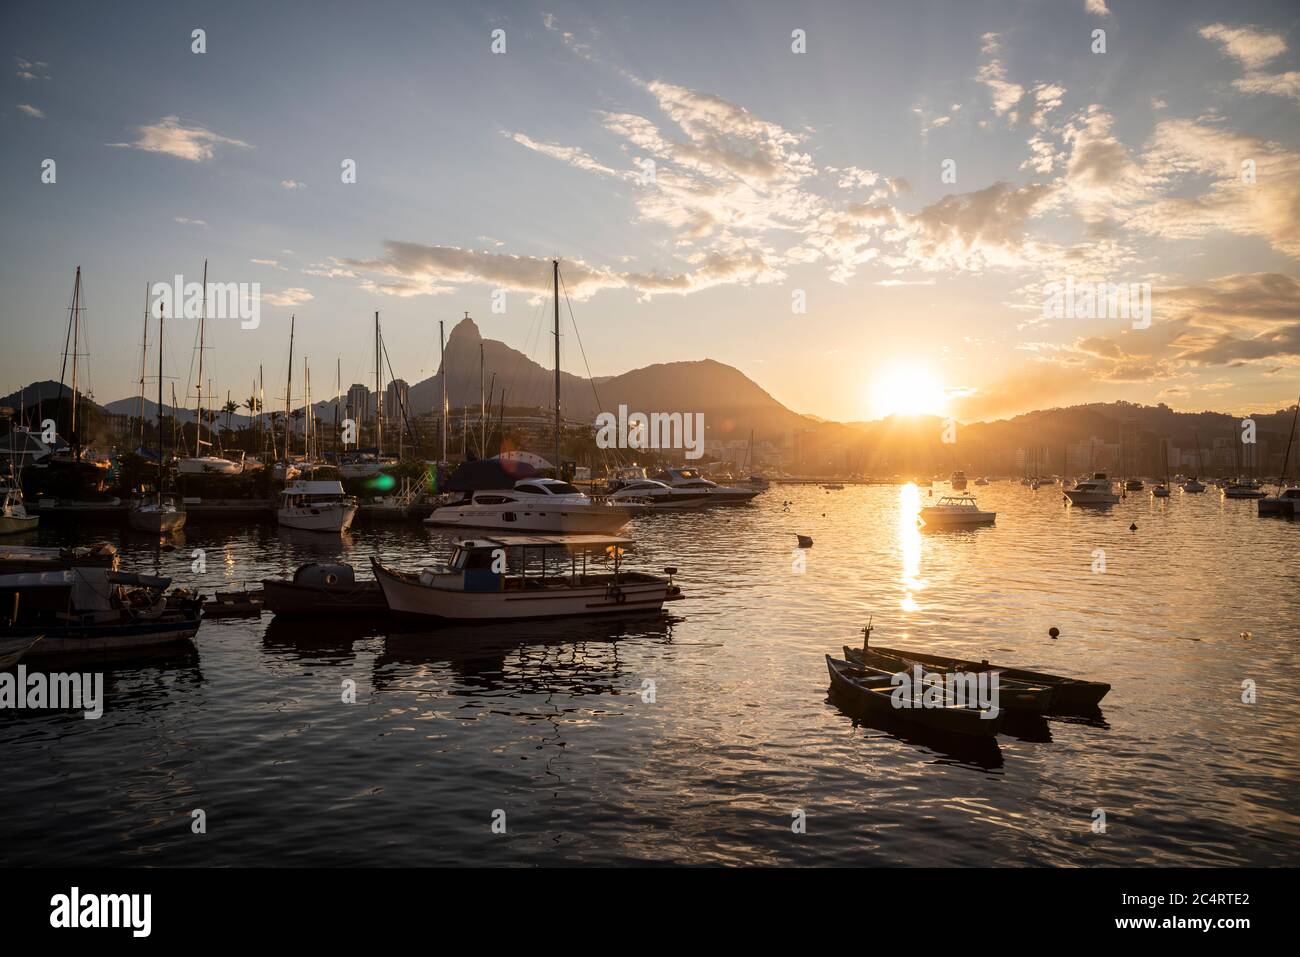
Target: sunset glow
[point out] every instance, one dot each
(908, 389)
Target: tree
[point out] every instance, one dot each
(230, 408)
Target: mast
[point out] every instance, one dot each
(198, 409)
(379, 396)
(338, 390)
(1281, 479)
(288, 395)
(160, 378)
(144, 353)
(482, 407)
(442, 365)
(556, 280)
(76, 347)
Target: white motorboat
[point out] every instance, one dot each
(13, 513)
(508, 577)
(955, 510)
(534, 505)
(209, 465)
(618, 477)
(1098, 490)
(692, 480)
(1192, 485)
(981, 481)
(160, 515)
(650, 493)
(316, 507)
(958, 481)
(356, 465)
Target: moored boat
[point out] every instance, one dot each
(323, 589)
(874, 693)
(13, 512)
(316, 507)
(955, 511)
(488, 579)
(1012, 694)
(1097, 490)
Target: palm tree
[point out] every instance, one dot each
(230, 408)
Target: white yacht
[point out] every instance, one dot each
(534, 505)
(1098, 490)
(651, 493)
(159, 515)
(316, 507)
(955, 510)
(692, 480)
(506, 577)
(210, 465)
(13, 513)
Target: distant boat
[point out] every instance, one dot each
(955, 510)
(161, 516)
(981, 481)
(1243, 489)
(1287, 499)
(316, 507)
(650, 493)
(1162, 490)
(1098, 490)
(805, 541)
(692, 480)
(1192, 485)
(13, 512)
(958, 481)
(1134, 485)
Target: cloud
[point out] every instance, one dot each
(170, 136)
(1096, 7)
(975, 230)
(1276, 84)
(272, 263)
(993, 74)
(31, 111)
(186, 221)
(565, 154)
(287, 297)
(1249, 46)
(31, 69)
(292, 184)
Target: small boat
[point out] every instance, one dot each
(323, 589)
(958, 481)
(1192, 485)
(873, 693)
(487, 579)
(1097, 490)
(13, 513)
(33, 558)
(981, 481)
(96, 610)
(1068, 694)
(316, 507)
(1160, 491)
(833, 487)
(13, 649)
(1243, 489)
(1285, 502)
(1134, 485)
(1012, 694)
(953, 511)
(234, 604)
(805, 541)
(161, 515)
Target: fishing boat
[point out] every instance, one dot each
(13, 512)
(93, 610)
(955, 510)
(873, 692)
(958, 481)
(13, 649)
(323, 589)
(1069, 695)
(488, 579)
(1012, 694)
(316, 506)
(1098, 490)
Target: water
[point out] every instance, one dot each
(547, 722)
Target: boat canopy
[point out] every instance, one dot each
(313, 488)
(571, 542)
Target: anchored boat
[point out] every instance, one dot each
(525, 576)
(874, 692)
(955, 511)
(323, 589)
(1098, 490)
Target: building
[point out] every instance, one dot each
(357, 404)
(396, 398)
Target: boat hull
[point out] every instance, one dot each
(287, 598)
(160, 523)
(13, 524)
(880, 702)
(1091, 498)
(405, 595)
(94, 639)
(318, 518)
(581, 519)
(1012, 695)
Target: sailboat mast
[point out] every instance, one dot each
(160, 414)
(1281, 479)
(76, 347)
(144, 358)
(338, 391)
(198, 409)
(379, 396)
(555, 263)
(482, 407)
(288, 395)
(442, 366)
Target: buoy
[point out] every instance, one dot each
(1054, 632)
(1133, 527)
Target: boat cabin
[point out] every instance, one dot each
(304, 494)
(525, 562)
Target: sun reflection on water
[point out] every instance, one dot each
(909, 539)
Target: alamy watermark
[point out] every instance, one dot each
(657, 430)
(1098, 300)
(21, 691)
(225, 300)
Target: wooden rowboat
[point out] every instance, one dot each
(1012, 694)
(1069, 695)
(872, 693)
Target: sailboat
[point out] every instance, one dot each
(1162, 490)
(161, 515)
(363, 463)
(198, 463)
(1287, 499)
(1193, 484)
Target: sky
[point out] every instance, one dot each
(862, 206)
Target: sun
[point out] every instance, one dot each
(907, 388)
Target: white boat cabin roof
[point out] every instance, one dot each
(313, 488)
(571, 542)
